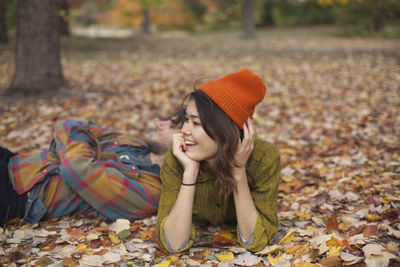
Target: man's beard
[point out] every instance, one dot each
(156, 147)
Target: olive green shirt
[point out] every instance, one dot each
(209, 208)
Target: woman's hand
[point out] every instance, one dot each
(178, 148)
(246, 145)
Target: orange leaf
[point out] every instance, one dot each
(298, 250)
(330, 261)
(224, 237)
(332, 223)
(334, 242)
(370, 230)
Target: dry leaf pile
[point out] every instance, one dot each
(332, 108)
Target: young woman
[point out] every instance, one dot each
(218, 171)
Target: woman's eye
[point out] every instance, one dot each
(196, 123)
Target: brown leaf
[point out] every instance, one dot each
(96, 243)
(330, 261)
(370, 230)
(44, 261)
(69, 262)
(332, 223)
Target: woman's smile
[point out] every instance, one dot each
(199, 146)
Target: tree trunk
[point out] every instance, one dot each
(379, 18)
(249, 20)
(64, 18)
(37, 61)
(146, 21)
(267, 17)
(3, 22)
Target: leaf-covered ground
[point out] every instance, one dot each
(332, 108)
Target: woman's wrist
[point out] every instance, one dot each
(239, 174)
(190, 176)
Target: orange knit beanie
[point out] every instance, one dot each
(237, 94)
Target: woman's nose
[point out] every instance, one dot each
(185, 129)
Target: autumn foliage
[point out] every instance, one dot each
(331, 108)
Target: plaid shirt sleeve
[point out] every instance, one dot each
(108, 186)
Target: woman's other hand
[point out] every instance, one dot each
(246, 145)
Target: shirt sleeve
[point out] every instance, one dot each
(171, 178)
(264, 192)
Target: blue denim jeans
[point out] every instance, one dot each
(35, 208)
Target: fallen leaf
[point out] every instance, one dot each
(370, 230)
(330, 261)
(350, 259)
(287, 239)
(332, 223)
(225, 256)
(43, 261)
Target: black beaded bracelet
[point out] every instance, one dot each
(188, 184)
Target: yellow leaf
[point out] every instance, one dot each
(114, 238)
(345, 226)
(274, 260)
(392, 246)
(287, 179)
(373, 217)
(81, 246)
(304, 264)
(165, 264)
(225, 256)
(334, 251)
(297, 249)
(334, 242)
(287, 239)
(323, 170)
(303, 215)
(310, 228)
(299, 165)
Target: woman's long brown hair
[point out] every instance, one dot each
(226, 133)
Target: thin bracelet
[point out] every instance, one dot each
(188, 184)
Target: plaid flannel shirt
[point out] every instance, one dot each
(81, 173)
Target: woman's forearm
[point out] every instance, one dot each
(246, 212)
(178, 225)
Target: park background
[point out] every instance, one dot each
(332, 70)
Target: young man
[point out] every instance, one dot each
(86, 169)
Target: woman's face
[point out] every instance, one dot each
(199, 146)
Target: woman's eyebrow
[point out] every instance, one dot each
(194, 116)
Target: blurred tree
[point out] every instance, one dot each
(302, 12)
(146, 16)
(248, 15)
(370, 15)
(37, 61)
(64, 18)
(3, 22)
(146, 13)
(267, 18)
